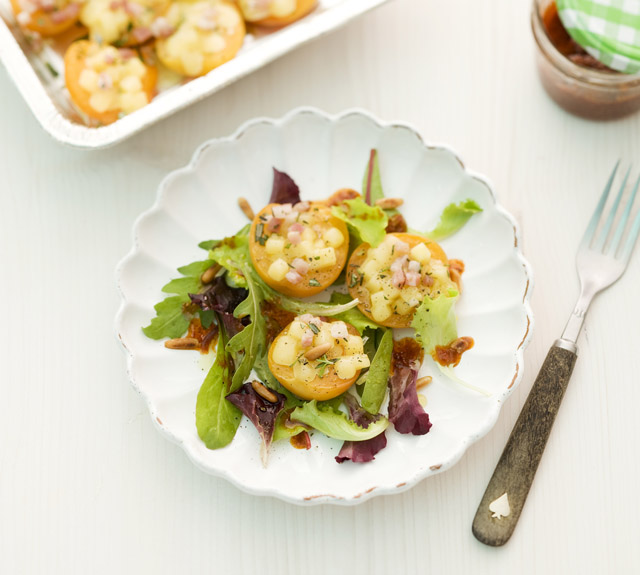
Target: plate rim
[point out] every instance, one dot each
(372, 491)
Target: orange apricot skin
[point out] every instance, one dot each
(302, 9)
(42, 23)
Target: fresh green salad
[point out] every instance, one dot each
(302, 305)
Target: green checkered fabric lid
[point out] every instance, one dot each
(609, 30)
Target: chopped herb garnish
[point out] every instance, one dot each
(314, 328)
(313, 282)
(323, 364)
(260, 236)
(51, 69)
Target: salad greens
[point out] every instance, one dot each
(336, 424)
(171, 318)
(375, 384)
(435, 321)
(217, 420)
(453, 217)
(233, 305)
(366, 222)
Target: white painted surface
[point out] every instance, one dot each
(87, 485)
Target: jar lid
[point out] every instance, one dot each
(609, 30)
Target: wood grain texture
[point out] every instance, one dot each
(519, 461)
(87, 484)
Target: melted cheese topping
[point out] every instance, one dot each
(343, 353)
(398, 278)
(254, 10)
(114, 83)
(302, 242)
(109, 20)
(201, 28)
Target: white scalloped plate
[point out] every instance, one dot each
(323, 153)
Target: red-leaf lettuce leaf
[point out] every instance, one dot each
(223, 299)
(284, 190)
(361, 451)
(261, 413)
(405, 411)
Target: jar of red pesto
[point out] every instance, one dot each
(574, 79)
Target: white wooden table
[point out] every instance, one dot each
(87, 485)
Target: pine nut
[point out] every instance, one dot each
(182, 343)
(423, 381)
(210, 274)
(389, 203)
(246, 208)
(263, 391)
(317, 351)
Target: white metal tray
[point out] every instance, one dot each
(39, 76)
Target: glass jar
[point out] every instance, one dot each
(588, 92)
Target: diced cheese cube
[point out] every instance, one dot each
(380, 308)
(192, 62)
(371, 268)
(278, 269)
(88, 80)
(281, 8)
(308, 234)
(324, 258)
(132, 101)
(213, 43)
(345, 367)
(102, 100)
(304, 372)
(275, 245)
(297, 329)
(333, 237)
(131, 84)
(353, 345)
(285, 350)
(420, 253)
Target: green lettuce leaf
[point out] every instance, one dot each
(435, 321)
(367, 222)
(217, 419)
(335, 423)
(375, 384)
(453, 217)
(353, 316)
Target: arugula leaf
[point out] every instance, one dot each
(183, 286)
(367, 222)
(353, 316)
(170, 321)
(435, 320)
(217, 419)
(453, 217)
(208, 244)
(371, 183)
(335, 423)
(375, 386)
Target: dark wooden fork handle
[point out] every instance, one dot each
(519, 461)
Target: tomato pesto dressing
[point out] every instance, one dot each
(314, 348)
(398, 277)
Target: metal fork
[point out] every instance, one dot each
(601, 260)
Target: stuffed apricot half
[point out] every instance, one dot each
(299, 250)
(392, 279)
(105, 82)
(207, 34)
(46, 17)
(316, 359)
(275, 13)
